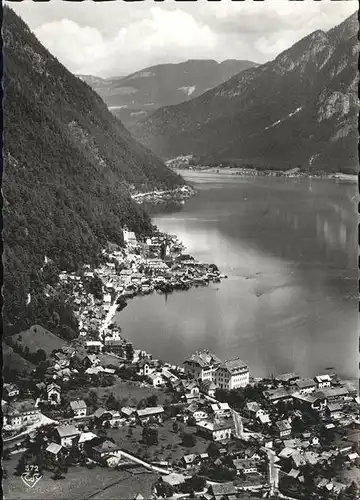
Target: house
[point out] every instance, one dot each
(223, 490)
(334, 410)
(64, 374)
(156, 379)
(94, 346)
(221, 409)
(150, 413)
(192, 389)
(78, 408)
(10, 391)
(231, 374)
(283, 428)
(305, 385)
(216, 431)
(322, 381)
(84, 438)
(21, 413)
(67, 435)
(54, 453)
(255, 411)
(201, 365)
(143, 367)
(105, 450)
(129, 236)
(245, 466)
(308, 401)
(287, 378)
(208, 387)
(128, 413)
(274, 396)
(334, 393)
(90, 360)
(189, 461)
(53, 394)
(94, 370)
(174, 478)
(197, 412)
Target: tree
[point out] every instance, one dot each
(152, 400)
(92, 399)
(150, 436)
(20, 468)
(298, 425)
(163, 489)
(175, 426)
(96, 287)
(188, 439)
(112, 403)
(41, 355)
(129, 349)
(212, 450)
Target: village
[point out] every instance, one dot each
(206, 428)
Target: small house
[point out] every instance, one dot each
(216, 431)
(20, 413)
(188, 461)
(67, 435)
(283, 428)
(106, 450)
(305, 385)
(323, 381)
(151, 413)
(129, 413)
(156, 379)
(53, 394)
(223, 490)
(245, 466)
(10, 391)
(78, 408)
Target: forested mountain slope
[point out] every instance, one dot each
(299, 109)
(137, 95)
(69, 166)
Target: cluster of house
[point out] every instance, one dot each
(140, 267)
(179, 194)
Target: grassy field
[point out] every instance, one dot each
(80, 483)
(130, 393)
(169, 447)
(37, 337)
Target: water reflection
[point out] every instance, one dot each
(290, 254)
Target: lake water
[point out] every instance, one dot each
(289, 248)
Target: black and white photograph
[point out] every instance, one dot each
(180, 297)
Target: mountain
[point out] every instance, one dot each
(139, 94)
(299, 109)
(69, 168)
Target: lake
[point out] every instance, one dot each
(289, 248)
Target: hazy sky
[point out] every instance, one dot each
(116, 37)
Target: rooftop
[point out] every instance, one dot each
(303, 383)
(106, 447)
(203, 358)
(54, 448)
(78, 405)
(67, 430)
(152, 410)
(234, 364)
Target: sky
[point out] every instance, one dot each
(114, 38)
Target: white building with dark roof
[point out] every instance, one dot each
(231, 374)
(201, 365)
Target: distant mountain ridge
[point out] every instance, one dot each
(69, 168)
(137, 95)
(300, 108)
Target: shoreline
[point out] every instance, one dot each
(247, 172)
